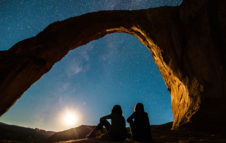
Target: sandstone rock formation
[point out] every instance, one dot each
(187, 43)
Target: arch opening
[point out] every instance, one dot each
(64, 88)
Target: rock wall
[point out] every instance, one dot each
(187, 44)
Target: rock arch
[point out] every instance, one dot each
(178, 44)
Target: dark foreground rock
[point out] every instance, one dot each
(164, 134)
(160, 134)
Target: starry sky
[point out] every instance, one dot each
(116, 69)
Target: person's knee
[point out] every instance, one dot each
(103, 121)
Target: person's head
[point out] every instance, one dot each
(139, 107)
(116, 110)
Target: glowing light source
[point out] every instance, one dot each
(70, 117)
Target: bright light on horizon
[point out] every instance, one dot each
(70, 118)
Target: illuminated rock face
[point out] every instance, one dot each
(187, 44)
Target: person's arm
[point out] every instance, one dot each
(130, 119)
(105, 117)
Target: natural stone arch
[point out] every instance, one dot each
(165, 31)
(56, 40)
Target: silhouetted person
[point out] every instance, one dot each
(117, 129)
(139, 124)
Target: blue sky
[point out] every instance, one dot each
(116, 69)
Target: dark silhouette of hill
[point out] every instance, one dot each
(73, 133)
(13, 133)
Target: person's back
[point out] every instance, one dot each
(139, 123)
(116, 131)
(142, 126)
(118, 128)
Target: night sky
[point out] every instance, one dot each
(116, 69)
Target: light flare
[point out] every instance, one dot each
(70, 117)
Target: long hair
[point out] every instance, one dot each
(116, 110)
(139, 107)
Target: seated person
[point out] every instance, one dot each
(117, 129)
(139, 124)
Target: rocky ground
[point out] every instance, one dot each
(160, 134)
(159, 139)
(163, 134)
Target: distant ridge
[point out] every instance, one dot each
(12, 133)
(73, 133)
